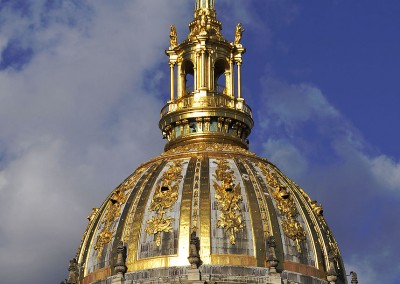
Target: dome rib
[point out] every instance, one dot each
(257, 223)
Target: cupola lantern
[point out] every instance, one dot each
(205, 104)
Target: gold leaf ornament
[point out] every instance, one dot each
(158, 224)
(165, 196)
(294, 231)
(103, 238)
(228, 198)
(286, 206)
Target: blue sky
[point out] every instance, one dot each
(81, 87)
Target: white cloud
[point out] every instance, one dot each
(287, 155)
(291, 105)
(76, 120)
(387, 171)
(359, 189)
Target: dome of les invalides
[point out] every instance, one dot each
(207, 209)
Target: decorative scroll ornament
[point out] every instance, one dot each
(113, 211)
(165, 196)
(287, 208)
(228, 197)
(208, 147)
(112, 214)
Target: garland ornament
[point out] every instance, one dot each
(164, 198)
(229, 198)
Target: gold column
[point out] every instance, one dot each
(196, 72)
(199, 121)
(239, 69)
(180, 80)
(228, 83)
(172, 80)
(212, 84)
(209, 72)
(203, 69)
(232, 79)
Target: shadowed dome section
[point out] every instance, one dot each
(207, 210)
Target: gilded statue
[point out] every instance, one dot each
(238, 33)
(173, 37)
(202, 22)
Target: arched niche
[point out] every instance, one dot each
(187, 77)
(221, 76)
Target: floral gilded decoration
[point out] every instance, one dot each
(229, 198)
(208, 147)
(113, 211)
(286, 206)
(112, 214)
(165, 196)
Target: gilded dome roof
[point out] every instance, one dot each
(233, 200)
(207, 209)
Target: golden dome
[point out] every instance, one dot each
(207, 209)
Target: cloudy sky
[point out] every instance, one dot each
(82, 83)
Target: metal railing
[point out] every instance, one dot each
(214, 100)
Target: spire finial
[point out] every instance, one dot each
(331, 273)
(204, 4)
(72, 279)
(120, 267)
(194, 248)
(271, 257)
(353, 277)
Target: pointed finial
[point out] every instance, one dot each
(72, 272)
(120, 267)
(332, 274)
(353, 277)
(272, 260)
(194, 248)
